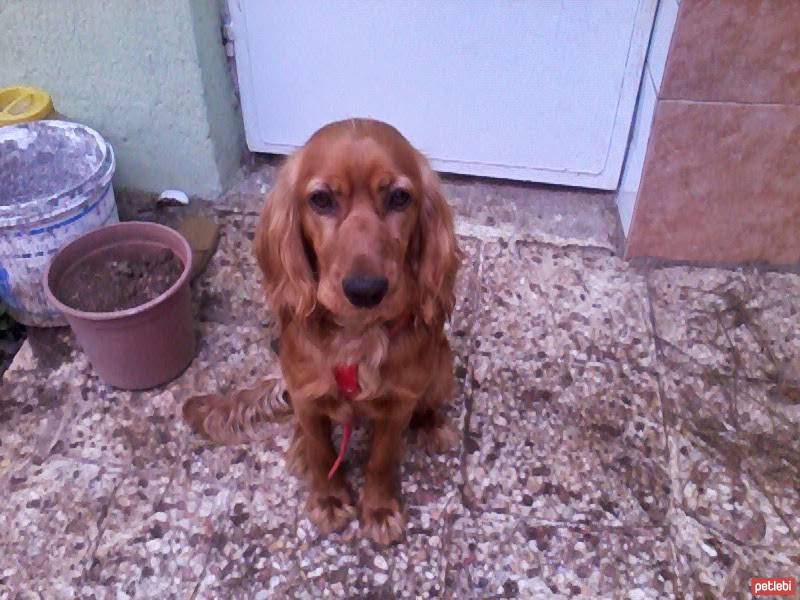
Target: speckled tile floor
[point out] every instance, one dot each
(627, 433)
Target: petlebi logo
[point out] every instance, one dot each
(773, 586)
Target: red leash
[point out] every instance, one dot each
(347, 382)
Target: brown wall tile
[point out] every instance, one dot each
(735, 51)
(721, 183)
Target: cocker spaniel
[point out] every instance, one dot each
(359, 256)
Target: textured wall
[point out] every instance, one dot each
(720, 181)
(149, 75)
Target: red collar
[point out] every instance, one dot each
(347, 383)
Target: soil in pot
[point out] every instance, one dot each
(110, 282)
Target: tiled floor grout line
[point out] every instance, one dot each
(470, 327)
(466, 501)
(666, 417)
(202, 575)
(49, 433)
(12, 473)
(221, 522)
(693, 367)
(104, 512)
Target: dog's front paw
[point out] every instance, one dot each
(381, 521)
(331, 511)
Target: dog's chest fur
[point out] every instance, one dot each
(381, 389)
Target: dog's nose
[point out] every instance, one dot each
(365, 291)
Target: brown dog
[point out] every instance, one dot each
(359, 255)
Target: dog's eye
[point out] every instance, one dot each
(323, 202)
(398, 199)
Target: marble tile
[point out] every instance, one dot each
(134, 443)
(719, 186)
(119, 429)
(346, 565)
(710, 565)
(27, 429)
(500, 556)
(564, 418)
(746, 51)
(38, 396)
(715, 322)
(577, 306)
(254, 558)
(774, 329)
(733, 456)
(592, 451)
(169, 522)
(51, 519)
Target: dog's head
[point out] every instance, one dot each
(357, 224)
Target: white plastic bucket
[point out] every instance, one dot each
(55, 185)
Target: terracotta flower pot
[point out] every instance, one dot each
(140, 347)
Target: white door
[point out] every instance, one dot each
(539, 90)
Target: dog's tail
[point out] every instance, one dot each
(240, 416)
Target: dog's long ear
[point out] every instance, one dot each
(438, 255)
(288, 281)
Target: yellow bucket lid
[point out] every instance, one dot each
(22, 103)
